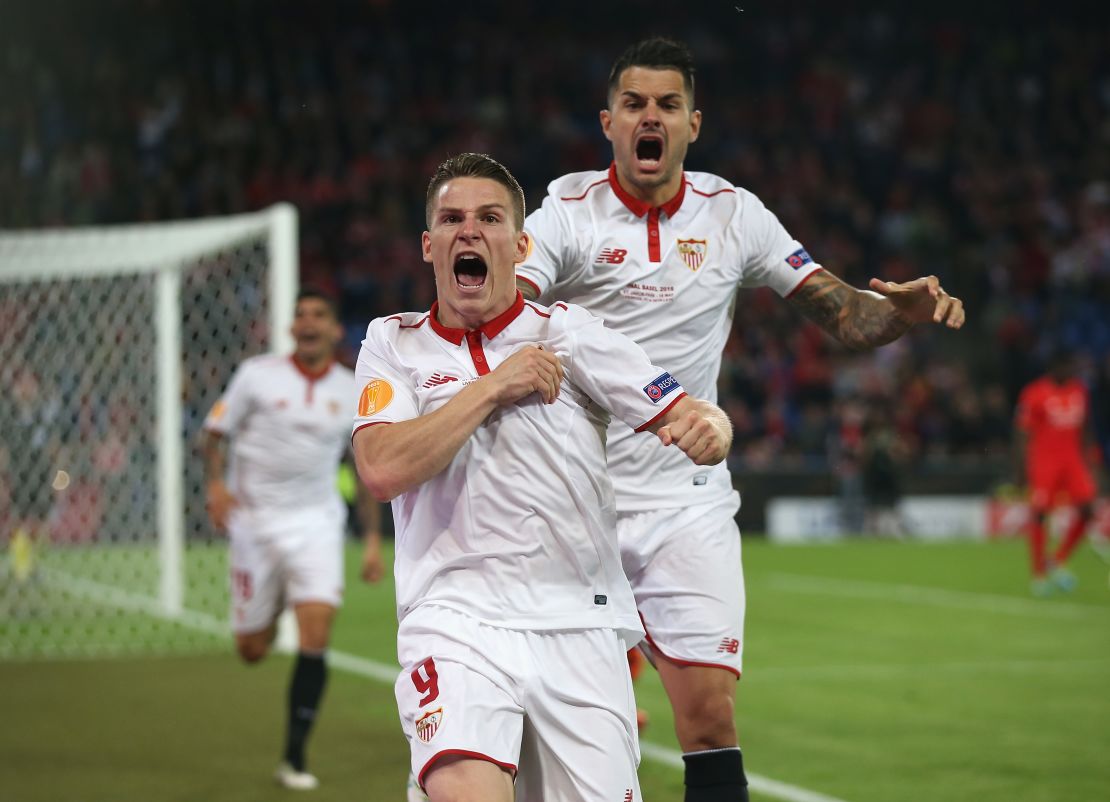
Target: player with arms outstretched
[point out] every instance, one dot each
(483, 420)
(288, 420)
(1053, 427)
(659, 253)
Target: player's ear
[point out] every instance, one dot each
(606, 121)
(695, 125)
(523, 247)
(426, 246)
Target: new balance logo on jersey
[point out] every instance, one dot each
(799, 258)
(730, 645)
(660, 387)
(437, 379)
(611, 256)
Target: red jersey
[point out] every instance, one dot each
(1053, 415)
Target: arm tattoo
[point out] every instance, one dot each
(856, 318)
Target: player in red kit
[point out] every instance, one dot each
(1053, 417)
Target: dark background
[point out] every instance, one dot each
(968, 142)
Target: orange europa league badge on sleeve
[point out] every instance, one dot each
(375, 397)
(428, 724)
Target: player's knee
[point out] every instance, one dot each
(251, 649)
(709, 721)
(313, 643)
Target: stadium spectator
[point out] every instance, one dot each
(287, 419)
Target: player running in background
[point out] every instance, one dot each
(288, 419)
(659, 254)
(1053, 427)
(484, 420)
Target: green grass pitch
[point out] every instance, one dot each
(874, 671)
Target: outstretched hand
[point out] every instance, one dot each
(922, 300)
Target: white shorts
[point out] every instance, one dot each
(288, 559)
(686, 573)
(555, 708)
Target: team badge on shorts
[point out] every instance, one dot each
(375, 397)
(428, 724)
(693, 252)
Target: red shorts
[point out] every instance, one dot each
(1050, 479)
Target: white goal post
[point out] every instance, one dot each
(116, 340)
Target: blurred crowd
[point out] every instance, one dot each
(972, 144)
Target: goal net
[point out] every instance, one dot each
(114, 343)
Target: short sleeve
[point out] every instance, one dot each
(551, 246)
(616, 372)
(236, 403)
(385, 392)
(770, 256)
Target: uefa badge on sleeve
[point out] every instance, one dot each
(428, 724)
(693, 252)
(799, 258)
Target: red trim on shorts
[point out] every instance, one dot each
(651, 422)
(678, 661)
(510, 767)
(803, 281)
(530, 283)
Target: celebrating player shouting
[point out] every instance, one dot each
(288, 419)
(659, 254)
(484, 421)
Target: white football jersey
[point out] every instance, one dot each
(518, 530)
(288, 431)
(666, 277)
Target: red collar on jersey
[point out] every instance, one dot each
(310, 374)
(638, 207)
(491, 328)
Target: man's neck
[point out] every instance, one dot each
(451, 319)
(312, 363)
(652, 196)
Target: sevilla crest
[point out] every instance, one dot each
(428, 724)
(693, 252)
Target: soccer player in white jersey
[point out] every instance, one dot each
(483, 420)
(289, 420)
(659, 254)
